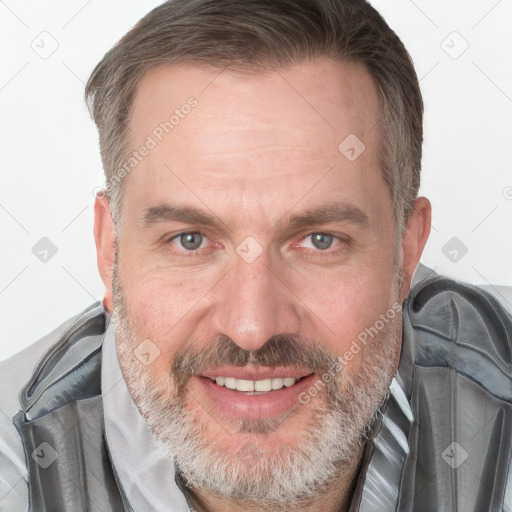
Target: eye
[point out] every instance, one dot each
(190, 241)
(321, 241)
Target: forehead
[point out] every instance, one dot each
(220, 128)
(327, 96)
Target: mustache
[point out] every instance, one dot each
(281, 350)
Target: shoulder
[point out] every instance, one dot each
(455, 309)
(455, 372)
(458, 326)
(16, 373)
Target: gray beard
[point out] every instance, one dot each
(285, 479)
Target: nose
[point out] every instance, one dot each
(252, 303)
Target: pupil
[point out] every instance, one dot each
(191, 241)
(321, 241)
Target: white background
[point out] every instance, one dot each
(50, 161)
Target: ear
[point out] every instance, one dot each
(105, 237)
(414, 239)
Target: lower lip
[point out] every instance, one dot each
(232, 403)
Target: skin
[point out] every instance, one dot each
(258, 149)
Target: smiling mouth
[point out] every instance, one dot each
(254, 393)
(256, 387)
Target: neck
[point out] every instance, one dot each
(335, 496)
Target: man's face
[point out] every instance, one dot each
(298, 261)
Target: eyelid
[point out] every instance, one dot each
(171, 238)
(335, 237)
(343, 240)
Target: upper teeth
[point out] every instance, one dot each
(255, 385)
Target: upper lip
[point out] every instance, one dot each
(255, 372)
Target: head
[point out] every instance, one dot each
(260, 221)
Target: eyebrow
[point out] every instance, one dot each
(185, 214)
(328, 214)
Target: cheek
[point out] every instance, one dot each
(161, 309)
(342, 308)
(160, 296)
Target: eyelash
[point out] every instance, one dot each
(343, 242)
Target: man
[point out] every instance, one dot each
(257, 236)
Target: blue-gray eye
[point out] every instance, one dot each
(191, 241)
(321, 240)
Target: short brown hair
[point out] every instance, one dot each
(266, 34)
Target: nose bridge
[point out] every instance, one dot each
(252, 305)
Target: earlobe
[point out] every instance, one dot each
(104, 235)
(414, 238)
